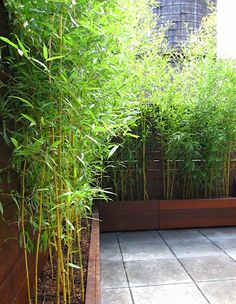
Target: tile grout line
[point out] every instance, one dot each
(217, 245)
(170, 284)
(183, 267)
(126, 274)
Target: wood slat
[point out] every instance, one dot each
(197, 203)
(8, 226)
(197, 213)
(10, 252)
(4, 149)
(8, 182)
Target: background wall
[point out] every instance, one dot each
(12, 267)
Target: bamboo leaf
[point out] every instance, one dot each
(56, 143)
(22, 51)
(15, 142)
(9, 42)
(55, 58)
(1, 208)
(42, 121)
(33, 122)
(66, 194)
(93, 139)
(73, 266)
(40, 63)
(45, 52)
(113, 150)
(70, 224)
(23, 100)
(81, 160)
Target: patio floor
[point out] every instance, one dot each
(192, 266)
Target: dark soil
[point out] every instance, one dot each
(47, 284)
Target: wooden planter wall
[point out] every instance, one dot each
(93, 288)
(160, 214)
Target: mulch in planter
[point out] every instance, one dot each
(47, 284)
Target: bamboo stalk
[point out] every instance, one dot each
(39, 236)
(23, 231)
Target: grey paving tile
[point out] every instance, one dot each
(228, 245)
(197, 248)
(231, 253)
(210, 268)
(145, 251)
(218, 233)
(113, 275)
(172, 236)
(220, 292)
(156, 272)
(116, 296)
(168, 294)
(110, 252)
(108, 238)
(139, 237)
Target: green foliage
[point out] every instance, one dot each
(74, 86)
(188, 113)
(92, 91)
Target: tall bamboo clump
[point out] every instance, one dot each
(188, 114)
(204, 138)
(70, 93)
(194, 114)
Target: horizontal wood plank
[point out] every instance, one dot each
(129, 215)
(197, 213)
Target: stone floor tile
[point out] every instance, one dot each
(110, 252)
(108, 238)
(116, 296)
(197, 248)
(219, 233)
(226, 243)
(177, 235)
(210, 268)
(113, 274)
(168, 294)
(139, 237)
(155, 272)
(145, 251)
(220, 292)
(231, 253)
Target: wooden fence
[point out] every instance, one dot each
(12, 267)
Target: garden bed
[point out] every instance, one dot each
(167, 214)
(14, 290)
(91, 261)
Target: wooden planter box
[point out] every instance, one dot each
(197, 213)
(93, 288)
(166, 214)
(12, 267)
(129, 215)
